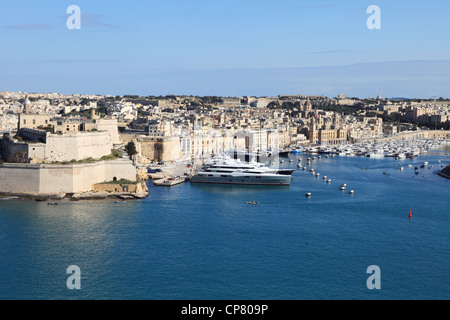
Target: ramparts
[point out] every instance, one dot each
(44, 179)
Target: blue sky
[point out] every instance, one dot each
(229, 48)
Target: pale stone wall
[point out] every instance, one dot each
(114, 187)
(119, 169)
(58, 179)
(77, 146)
(15, 179)
(161, 149)
(32, 121)
(50, 178)
(36, 152)
(171, 149)
(109, 125)
(65, 126)
(149, 149)
(57, 147)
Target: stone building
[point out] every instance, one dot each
(39, 146)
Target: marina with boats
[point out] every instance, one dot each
(244, 168)
(379, 149)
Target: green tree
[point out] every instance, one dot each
(131, 148)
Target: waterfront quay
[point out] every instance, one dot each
(75, 145)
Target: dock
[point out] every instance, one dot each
(169, 182)
(158, 176)
(173, 174)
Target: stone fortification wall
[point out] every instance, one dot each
(49, 178)
(56, 147)
(161, 149)
(19, 178)
(109, 125)
(74, 146)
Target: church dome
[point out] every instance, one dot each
(27, 106)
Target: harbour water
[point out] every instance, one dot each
(195, 241)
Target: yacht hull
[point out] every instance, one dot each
(282, 180)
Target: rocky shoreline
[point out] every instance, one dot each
(74, 196)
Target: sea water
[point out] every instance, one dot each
(194, 241)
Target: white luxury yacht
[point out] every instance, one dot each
(225, 170)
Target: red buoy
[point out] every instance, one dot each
(409, 213)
